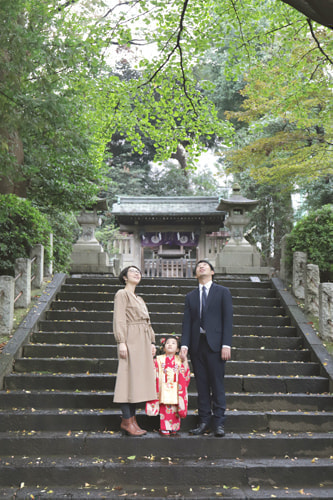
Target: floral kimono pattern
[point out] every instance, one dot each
(172, 381)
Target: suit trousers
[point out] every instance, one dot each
(208, 370)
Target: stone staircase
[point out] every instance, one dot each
(59, 428)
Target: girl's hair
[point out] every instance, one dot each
(124, 272)
(164, 339)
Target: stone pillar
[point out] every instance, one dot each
(311, 289)
(48, 268)
(326, 311)
(299, 263)
(7, 286)
(136, 249)
(22, 282)
(37, 266)
(284, 271)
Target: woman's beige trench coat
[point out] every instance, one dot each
(136, 374)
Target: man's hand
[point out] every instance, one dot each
(122, 349)
(183, 353)
(226, 353)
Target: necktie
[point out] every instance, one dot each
(203, 305)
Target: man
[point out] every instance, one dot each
(207, 333)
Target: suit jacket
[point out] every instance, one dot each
(218, 318)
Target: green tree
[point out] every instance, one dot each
(313, 234)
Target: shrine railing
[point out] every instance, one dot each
(169, 268)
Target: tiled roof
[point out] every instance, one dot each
(165, 205)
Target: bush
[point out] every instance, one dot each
(313, 234)
(22, 226)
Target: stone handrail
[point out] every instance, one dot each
(318, 297)
(16, 292)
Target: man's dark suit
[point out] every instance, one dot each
(205, 350)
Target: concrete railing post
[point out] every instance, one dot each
(326, 311)
(37, 266)
(48, 268)
(299, 263)
(7, 286)
(311, 289)
(22, 282)
(284, 270)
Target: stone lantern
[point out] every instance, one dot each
(238, 256)
(88, 255)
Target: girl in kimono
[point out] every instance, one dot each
(135, 339)
(172, 380)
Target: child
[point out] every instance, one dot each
(172, 380)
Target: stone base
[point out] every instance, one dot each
(247, 270)
(90, 259)
(91, 268)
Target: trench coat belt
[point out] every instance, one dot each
(142, 322)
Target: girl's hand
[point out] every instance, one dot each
(122, 350)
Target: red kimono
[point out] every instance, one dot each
(172, 381)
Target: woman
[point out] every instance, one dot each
(136, 348)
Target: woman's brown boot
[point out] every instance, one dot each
(128, 427)
(142, 431)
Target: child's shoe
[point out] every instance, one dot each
(164, 433)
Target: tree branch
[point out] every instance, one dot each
(173, 50)
(317, 42)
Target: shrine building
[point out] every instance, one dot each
(165, 236)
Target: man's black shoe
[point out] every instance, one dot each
(201, 429)
(219, 431)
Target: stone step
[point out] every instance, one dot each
(176, 301)
(240, 338)
(105, 381)
(109, 365)
(43, 399)
(173, 289)
(105, 300)
(88, 491)
(162, 282)
(82, 419)
(165, 472)
(110, 351)
(160, 324)
(111, 444)
(100, 310)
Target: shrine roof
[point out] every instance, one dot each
(166, 205)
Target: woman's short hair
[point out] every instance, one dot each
(123, 274)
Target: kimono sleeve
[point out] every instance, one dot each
(183, 382)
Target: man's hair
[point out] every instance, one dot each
(207, 262)
(124, 274)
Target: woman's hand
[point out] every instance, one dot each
(122, 349)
